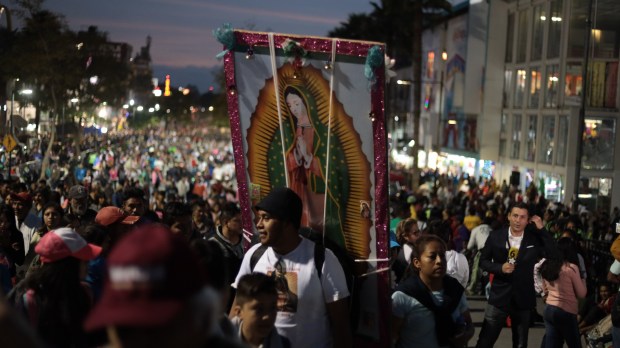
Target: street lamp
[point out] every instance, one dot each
(25, 91)
(22, 92)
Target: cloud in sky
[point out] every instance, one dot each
(181, 30)
(282, 15)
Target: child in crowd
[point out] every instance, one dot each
(256, 304)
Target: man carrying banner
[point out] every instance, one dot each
(312, 291)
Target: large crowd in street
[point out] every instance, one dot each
(134, 239)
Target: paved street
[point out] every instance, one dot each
(477, 305)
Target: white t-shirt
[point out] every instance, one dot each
(407, 251)
(418, 328)
(514, 243)
(457, 267)
(302, 314)
(478, 237)
(28, 228)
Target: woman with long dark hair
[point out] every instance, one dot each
(52, 218)
(53, 298)
(407, 232)
(562, 286)
(429, 293)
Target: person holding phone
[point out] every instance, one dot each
(510, 253)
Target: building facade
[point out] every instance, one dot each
(540, 61)
(503, 82)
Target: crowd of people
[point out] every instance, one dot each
(63, 253)
(134, 239)
(497, 242)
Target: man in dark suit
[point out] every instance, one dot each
(510, 254)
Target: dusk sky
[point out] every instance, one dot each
(181, 30)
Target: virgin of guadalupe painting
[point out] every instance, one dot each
(315, 151)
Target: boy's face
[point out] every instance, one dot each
(259, 315)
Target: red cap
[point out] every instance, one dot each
(109, 215)
(151, 275)
(64, 242)
(22, 197)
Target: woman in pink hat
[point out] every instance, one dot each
(53, 298)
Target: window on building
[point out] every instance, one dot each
(522, 38)
(545, 152)
(507, 88)
(540, 18)
(605, 30)
(510, 37)
(535, 79)
(602, 84)
(560, 158)
(595, 193)
(599, 139)
(555, 29)
(572, 84)
(516, 136)
(552, 81)
(520, 88)
(530, 148)
(603, 43)
(430, 63)
(503, 130)
(552, 186)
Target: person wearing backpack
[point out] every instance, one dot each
(312, 305)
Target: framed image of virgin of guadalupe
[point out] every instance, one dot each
(307, 113)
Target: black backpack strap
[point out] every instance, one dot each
(319, 259)
(256, 256)
(400, 265)
(222, 245)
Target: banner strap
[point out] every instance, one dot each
(332, 68)
(276, 88)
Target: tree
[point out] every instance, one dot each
(32, 59)
(383, 24)
(47, 70)
(7, 36)
(59, 64)
(104, 76)
(214, 101)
